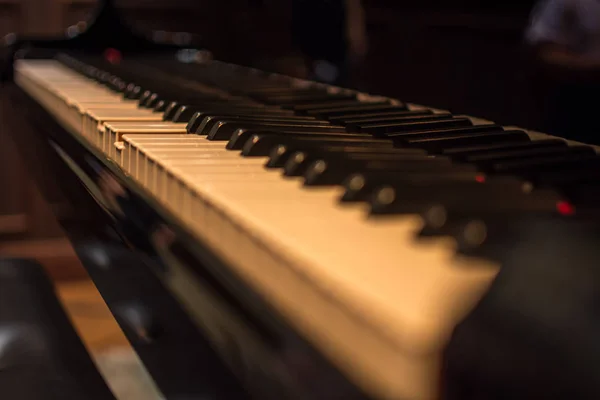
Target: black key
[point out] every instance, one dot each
(210, 100)
(262, 144)
(117, 84)
(174, 106)
(497, 155)
(173, 102)
(360, 108)
(359, 186)
(270, 90)
(362, 117)
(210, 121)
(377, 125)
(439, 219)
(333, 172)
(197, 119)
(241, 136)
(307, 107)
(443, 131)
(437, 142)
(224, 129)
(133, 91)
(415, 198)
(149, 99)
(186, 112)
(311, 101)
(102, 77)
(577, 159)
(462, 151)
(388, 129)
(300, 160)
(401, 116)
(160, 106)
(280, 153)
(276, 92)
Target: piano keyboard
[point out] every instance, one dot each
(315, 196)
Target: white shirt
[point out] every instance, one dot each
(572, 23)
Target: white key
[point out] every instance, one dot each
(78, 109)
(114, 132)
(94, 129)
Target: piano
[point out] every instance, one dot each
(261, 236)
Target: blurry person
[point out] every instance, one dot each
(566, 37)
(331, 35)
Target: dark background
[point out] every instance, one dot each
(467, 56)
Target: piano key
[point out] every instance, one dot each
(132, 91)
(359, 186)
(319, 100)
(434, 123)
(185, 112)
(526, 153)
(114, 132)
(137, 160)
(144, 99)
(279, 154)
(436, 142)
(357, 109)
(356, 118)
(407, 198)
(572, 160)
(224, 129)
(174, 106)
(299, 161)
(358, 123)
(329, 172)
(198, 117)
(181, 94)
(209, 121)
(261, 144)
(94, 118)
(78, 109)
(241, 136)
(304, 108)
(463, 151)
(442, 220)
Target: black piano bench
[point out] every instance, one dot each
(41, 355)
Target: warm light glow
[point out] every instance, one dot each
(113, 56)
(565, 208)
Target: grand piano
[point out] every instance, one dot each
(262, 236)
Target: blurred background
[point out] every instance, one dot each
(466, 56)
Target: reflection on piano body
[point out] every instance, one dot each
(327, 244)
